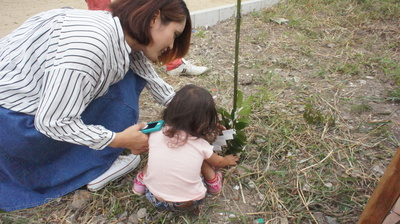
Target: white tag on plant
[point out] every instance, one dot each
(221, 139)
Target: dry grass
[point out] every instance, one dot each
(337, 62)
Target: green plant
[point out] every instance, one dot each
(314, 116)
(237, 119)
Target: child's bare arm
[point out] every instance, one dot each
(222, 161)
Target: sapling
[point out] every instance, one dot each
(237, 119)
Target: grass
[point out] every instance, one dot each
(337, 62)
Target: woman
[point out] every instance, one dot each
(69, 87)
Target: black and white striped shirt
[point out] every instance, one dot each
(58, 61)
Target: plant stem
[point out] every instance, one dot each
(235, 71)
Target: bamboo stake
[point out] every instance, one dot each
(385, 194)
(236, 66)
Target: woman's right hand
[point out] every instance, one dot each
(133, 139)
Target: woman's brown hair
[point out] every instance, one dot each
(136, 15)
(193, 112)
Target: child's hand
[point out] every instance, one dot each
(232, 160)
(221, 127)
(222, 161)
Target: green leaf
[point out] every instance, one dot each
(243, 120)
(233, 114)
(241, 136)
(248, 101)
(241, 125)
(244, 111)
(234, 147)
(223, 112)
(226, 123)
(239, 99)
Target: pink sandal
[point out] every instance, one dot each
(138, 186)
(214, 186)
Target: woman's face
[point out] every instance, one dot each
(163, 37)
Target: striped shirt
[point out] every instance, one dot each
(58, 61)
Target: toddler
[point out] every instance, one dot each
(181, 152)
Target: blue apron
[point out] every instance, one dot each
(35, 169)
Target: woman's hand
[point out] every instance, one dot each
(133, 139)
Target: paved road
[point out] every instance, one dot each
(15, 12)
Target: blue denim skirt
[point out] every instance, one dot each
(35, 169)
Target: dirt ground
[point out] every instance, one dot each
(267, 50)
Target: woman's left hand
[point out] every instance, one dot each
(133, 139)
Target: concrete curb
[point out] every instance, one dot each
(210, 17)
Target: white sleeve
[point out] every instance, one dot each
(65, 95)
(161, 91)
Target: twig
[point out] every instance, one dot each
(241, 191)
(326, 157)
(249, 174)
(302, 197)
(259, 213)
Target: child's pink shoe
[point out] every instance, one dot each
(214, 186)
(138, 186)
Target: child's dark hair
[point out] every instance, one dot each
(193, 111)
